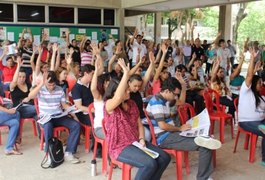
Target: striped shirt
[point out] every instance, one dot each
(50, 102)
(26, 54)
(86, 58)
(158, 110)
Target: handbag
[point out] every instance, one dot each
(56, 153)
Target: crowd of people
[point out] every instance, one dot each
(123, 79)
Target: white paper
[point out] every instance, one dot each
(2, 33)
(36, 40)
(63, 32)
(27, 36)
(148, 151)
(114, 31)
(12, 49)
(46, 34)
(53, 39)
(200, 125)
(10, 36)
(71, 37)
(94, 35)
(82, 31)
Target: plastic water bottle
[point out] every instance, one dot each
(93, 167)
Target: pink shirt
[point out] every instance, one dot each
(156, 87)
(122, 128)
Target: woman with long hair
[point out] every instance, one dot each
(124, 127)
(251, 108)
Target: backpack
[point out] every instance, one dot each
(56, 153)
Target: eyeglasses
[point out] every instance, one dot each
(175, 94)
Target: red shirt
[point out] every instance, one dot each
(262, 91)
(8, 73)
(122, 128)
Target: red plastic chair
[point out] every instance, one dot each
(249, 135)
(216, 112)
(2, 128)
(126, 168)
(7, 94)
(187, 111)
(176, 153)
(87, 136)
(56, 130)
(22, 121)
(98, 140)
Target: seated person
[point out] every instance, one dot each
(168, 135)
(51, 100)
(10, 118)
(82, 95)
(122, 120)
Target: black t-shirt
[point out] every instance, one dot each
(199, 51)
(64, 85)
(18, 95)
(83, 93)
(137, 98)
(76, 55)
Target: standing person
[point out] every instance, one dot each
(232, 52)
(198, 49)
(76, 54)
(136, 43)
(51, 101)
(187, 52)
(251, 108)
(86, 54)
(122, 120)
(224, 55)
(168, 135)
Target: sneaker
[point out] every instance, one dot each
(262, 128)
(210, 178)
(207, 142)
(69, 157)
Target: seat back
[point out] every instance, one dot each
(151, 127)
(236, 106)
(36, 104)
(185, 112)
(209, 95)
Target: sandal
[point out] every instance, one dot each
(13, 152)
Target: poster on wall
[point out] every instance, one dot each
(2, 33)
(94, 36)
(63, 32)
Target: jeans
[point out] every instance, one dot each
(186, 60)
(99, 132)
(149, 168)
(83, 118)
(69, 123)
(252, 126)
(12, 121)
(175, 141)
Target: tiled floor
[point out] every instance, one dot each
(230, 166)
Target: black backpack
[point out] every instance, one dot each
(56, 153)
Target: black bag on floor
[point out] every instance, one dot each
(56, 153)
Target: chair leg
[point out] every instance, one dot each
(126, 172)
(34, 128)
(252, 150)
(104, 158)
(110, 171)
(21, 124)
(212, 127)
(87, 140)
(186, 160)
(178, 157)
(222, 127)
(95, 150)
(246, 142)
(0, 138)
(237, 137)
(41, 140)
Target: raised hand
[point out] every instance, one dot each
(125, 68)
(180, 78)
(152, 57)
(54, 47)
(19, 61)
(95, 49)
(164, 48)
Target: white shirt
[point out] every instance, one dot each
(247, 110)
(109, 48)
(135, 47)
(186, 50)
(224, 54)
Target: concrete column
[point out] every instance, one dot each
(225, 21)
(157, 27)
(120, 17)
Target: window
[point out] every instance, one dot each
(30, 13)
(109, 17)
(89, 16)
(6, 12)
(61, 15)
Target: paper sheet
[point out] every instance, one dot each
(10, 36)
(94, 35)
(82, 31)
(114, 31)
(71, 37)
(36, 40)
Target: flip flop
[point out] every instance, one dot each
(13, 152)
